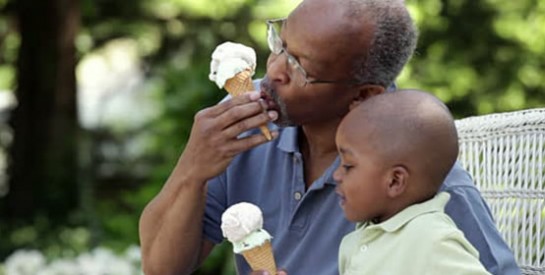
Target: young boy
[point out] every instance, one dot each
(396, 149)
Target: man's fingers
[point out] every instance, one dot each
(211, 125)
(245, 143)
(234, 101)
(240, 113)
(246, 124)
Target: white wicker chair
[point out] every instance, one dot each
(505, 154)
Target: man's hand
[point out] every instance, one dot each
(213, 142)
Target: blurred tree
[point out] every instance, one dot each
(9, 43)
(42, 165)
(480, 56)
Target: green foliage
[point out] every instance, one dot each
(479, 56)
(204, 8)
(53, 242)
(9, 44)
(7, 75)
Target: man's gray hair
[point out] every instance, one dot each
(392, 44)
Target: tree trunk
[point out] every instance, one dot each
(43, 163)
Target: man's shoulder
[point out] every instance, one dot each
(458, 177)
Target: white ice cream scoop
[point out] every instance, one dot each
(242, 225)
(229, 59)
(239, 220)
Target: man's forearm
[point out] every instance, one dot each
(171, 228)
(171, 224)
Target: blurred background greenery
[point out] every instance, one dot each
(97, 98)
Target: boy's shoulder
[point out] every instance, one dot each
(431, 225)
(436, 232)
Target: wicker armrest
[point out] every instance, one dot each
(505, 154)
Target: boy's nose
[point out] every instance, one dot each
(337, 175)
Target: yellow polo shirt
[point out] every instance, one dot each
(419, 240)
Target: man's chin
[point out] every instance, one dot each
(280, 122)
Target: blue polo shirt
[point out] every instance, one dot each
(308, 226)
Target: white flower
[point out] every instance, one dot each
(100, 261)
(133, 254)
(89, 265)
(118, 266)
(61, 267)
(24, 262)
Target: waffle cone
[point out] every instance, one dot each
(240, 84)
(261, 258)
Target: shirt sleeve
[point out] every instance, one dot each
(471, 214)
(455, 256)
(216, 203)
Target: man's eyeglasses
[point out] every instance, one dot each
(296, 72)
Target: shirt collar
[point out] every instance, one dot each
(288, 140)
(288, 143)
(330, 170)
(436, 204)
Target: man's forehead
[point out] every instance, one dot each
(315, 11)
(316, 30)
(326, 20)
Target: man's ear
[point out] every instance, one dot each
(364, 92)
(398, 181)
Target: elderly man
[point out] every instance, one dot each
(326, 56)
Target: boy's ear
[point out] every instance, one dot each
(399, 180)
(364, 92)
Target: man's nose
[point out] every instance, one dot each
(277, 68)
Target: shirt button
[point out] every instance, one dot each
(297, 196)
(363, 248)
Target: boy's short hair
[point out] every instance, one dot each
(413, 128)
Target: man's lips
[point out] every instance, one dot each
(266, 95)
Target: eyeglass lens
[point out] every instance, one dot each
(273, 39)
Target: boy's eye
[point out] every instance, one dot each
(347, 167)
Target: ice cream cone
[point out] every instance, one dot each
(242, 225)
(240, 84)
(261, 258)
